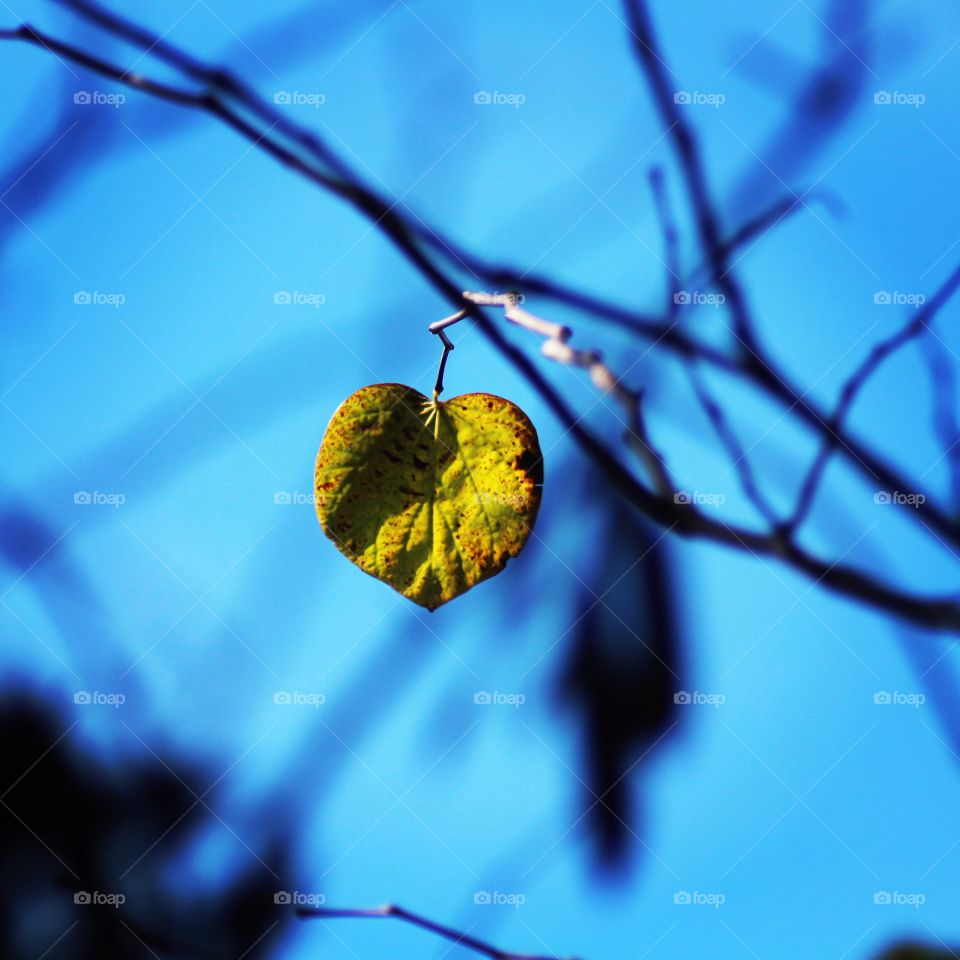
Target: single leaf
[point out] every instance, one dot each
(430, 506)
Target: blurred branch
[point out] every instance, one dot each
(943, 383)
(856, 382)
(380, 913)
(691, 165)
(730, 442)
(436, 257)
(759, 226)
(714, 412)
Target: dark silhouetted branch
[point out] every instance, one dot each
(856, 382)
(946, 402)
(448, 933)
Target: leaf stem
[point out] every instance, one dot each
(447, 347)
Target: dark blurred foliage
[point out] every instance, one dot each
(73, 827)
(622, 673)
(919, 951)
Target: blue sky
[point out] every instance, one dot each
(198, 399)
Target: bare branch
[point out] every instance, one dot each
(448, 933)
(738, 456)
(557, 348)
(855, 383)
(710, 406)
(671, 253)
(691, 165)
(943, 382)
(754, 229)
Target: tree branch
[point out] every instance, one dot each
(448, 933)
(856, 382)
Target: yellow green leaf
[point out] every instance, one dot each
(430, 500)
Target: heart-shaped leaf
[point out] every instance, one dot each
(431, 505)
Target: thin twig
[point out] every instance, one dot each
(728, 438)
(557, 348)
(852, 387)
(943, 383)
(692, 167)
(671, 253)
(448, 933)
